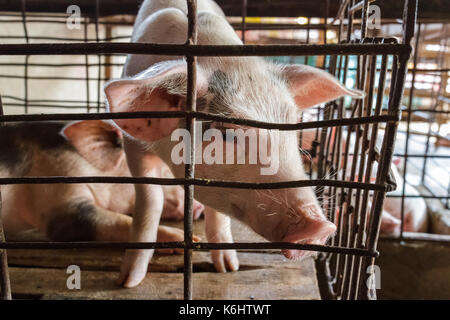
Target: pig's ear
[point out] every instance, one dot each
(311, 86)
(160, 88)
(99, 142)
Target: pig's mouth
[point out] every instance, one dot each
(314, 229)
(294, 254)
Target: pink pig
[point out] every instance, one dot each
(244, 87)
(76, 212)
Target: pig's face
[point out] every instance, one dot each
(245, 88)
(101, 144)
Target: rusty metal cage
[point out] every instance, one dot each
(379, 64)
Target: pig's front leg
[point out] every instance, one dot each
(218, 229)
(148, 209)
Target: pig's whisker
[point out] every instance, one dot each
(261, 206)
(286, 198)
(276, 198)
(269, 194)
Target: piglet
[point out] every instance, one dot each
(243, 87)
(415, 209)
(76, 212)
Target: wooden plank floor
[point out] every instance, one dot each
(41, 274)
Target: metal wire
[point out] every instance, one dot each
(5, 286)
(348, 252)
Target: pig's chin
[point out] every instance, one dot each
(297, 254)
(294, 254)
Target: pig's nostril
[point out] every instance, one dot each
(311, 234)
(327, 230)
(316, 232)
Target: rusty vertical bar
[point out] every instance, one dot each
(360, 205)
(364, 17)
(387, 150)
(368, 174)
(97, 38)
(341, 261)
(408, 123)
(108, 59)
(435, 96)
(308, 30)
(243, 22)
(86, 60)
(27, 57)
(5, 286)
(190, 166)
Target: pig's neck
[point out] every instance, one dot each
(163, 148)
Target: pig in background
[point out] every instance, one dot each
(243, 87)
(415, 209)
(75, 212)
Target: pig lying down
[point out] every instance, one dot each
(76, 212)
(243, 87)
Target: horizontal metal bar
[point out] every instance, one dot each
(105, 39)
(285, 245)
(202, 50)
(55, 65)
(15, 64)
(434, 10)
(198, 115)
(84, 102)
(422, 237)
(417, 196)
(436, 156)
(36, 105)
(429, 110)
(195, 246)
(10, 76)
(195, 182)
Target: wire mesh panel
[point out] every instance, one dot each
(348, 155)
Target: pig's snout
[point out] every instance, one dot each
(312, 228)
(198, 208)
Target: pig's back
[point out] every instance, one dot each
(18, 141)
(165, 22)
(149, 7)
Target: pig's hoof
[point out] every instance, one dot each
(129, 281)
(134, 268)
(225, 260)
